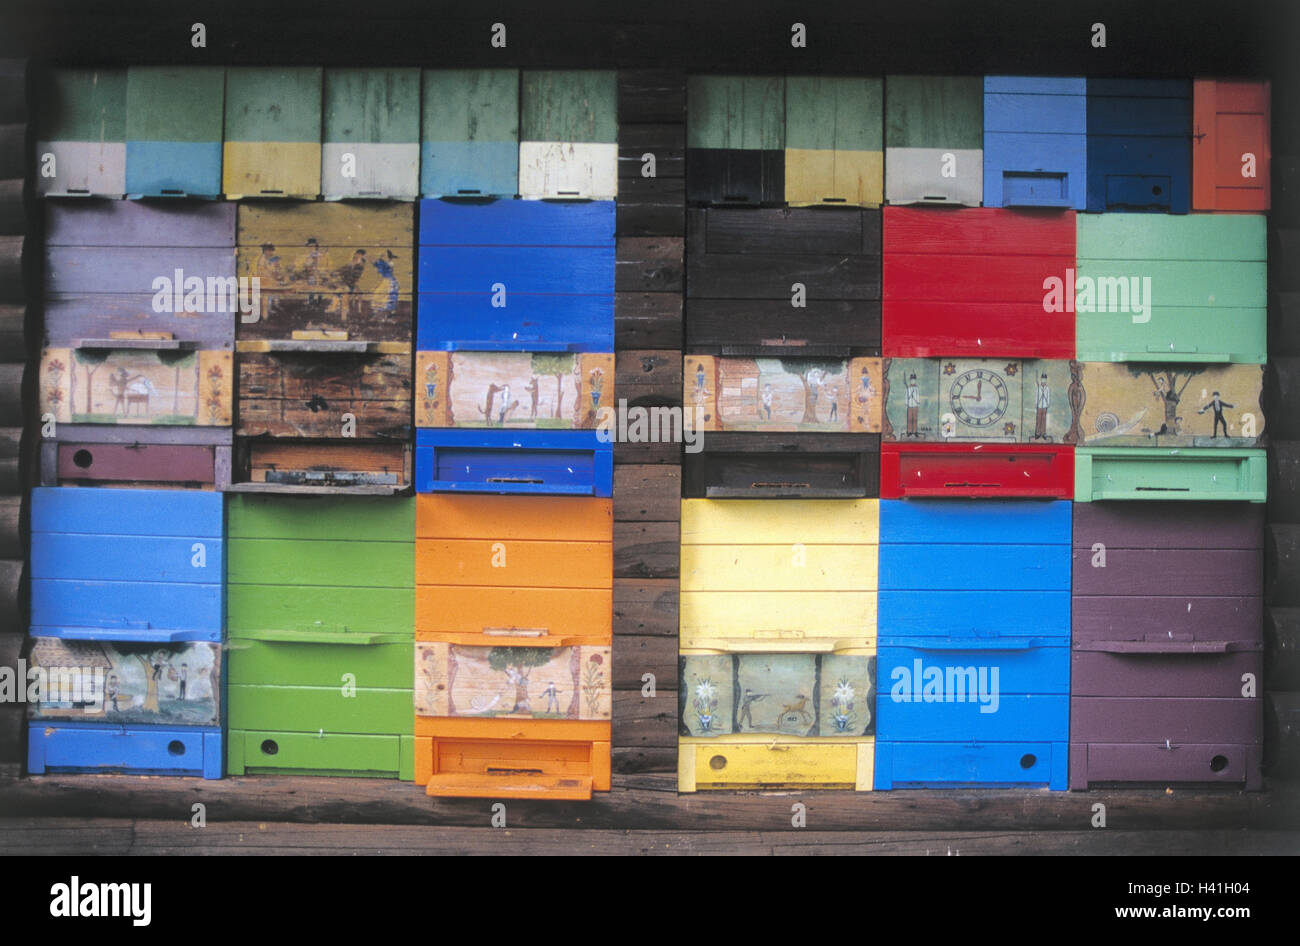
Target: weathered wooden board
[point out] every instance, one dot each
(81, 133)
(783, 394)
(174, 130)
(1151, 287)
(111, 748)
(568, 135)
(371, 134)
(1035, 142)
(1139, 145)
(652, 206)
(646, 606)
(469, 139)
(1155, 676)
(934, 140)
(972, 283)
(834, 141)
(949, 400)
(531, 390)
(1150, 404)
(133, 386)
(1230, 146)
(647, 320)
(735, 139)
(272, 142)
(512, 681)
(329, 267)
(165, 268)
(131, 684)
(778, 694)
(651, 95)
(304, 395)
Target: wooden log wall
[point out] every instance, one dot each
(17, 245)
(1282, 541)
(649, 290)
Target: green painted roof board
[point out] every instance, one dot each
(571, 105)
(83, 105)
(934, 112)
(471, 105)
(829, 113)
(273, 103)
(373, 106)
(175, 103)
(736, 112)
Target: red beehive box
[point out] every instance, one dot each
(1230, 146)
(970, 282)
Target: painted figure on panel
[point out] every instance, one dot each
(1042, 401)
(913, 400)
(137, 386)
(1217, 405)
(455, 680)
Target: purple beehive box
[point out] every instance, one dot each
(1166, 662)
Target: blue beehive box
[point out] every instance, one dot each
(513, 275)
(973, 654)
(1139, 145)
(537, 462)
(127, 616)
(1035, 142)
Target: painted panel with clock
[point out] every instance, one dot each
(963, 399)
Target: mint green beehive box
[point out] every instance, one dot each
(1207, 279)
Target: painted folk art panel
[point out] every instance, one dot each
(137, 386)
(514, 682)
(329, 268)
(129, 683)
(780, 694)
(783, 394)
(963, 399)
(1157, 405)
(530, 390)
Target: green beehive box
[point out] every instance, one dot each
(834, 141)
(1201, 284)
(371, 134)
(1147, 473)
(320, 613)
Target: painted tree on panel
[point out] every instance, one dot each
(812, 372)
(516, 663)
(1164, 380)
(557, 366)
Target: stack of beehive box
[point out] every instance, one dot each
(779, 515)
(127, 615)
(514, 520)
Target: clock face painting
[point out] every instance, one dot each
(979, 398)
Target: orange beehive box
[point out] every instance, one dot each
(494, 568)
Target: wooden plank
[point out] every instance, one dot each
(646, 550)
(1139, 525)
(646, 607)
(77, 836)
(651, 206)
(649, 802)
(649, 264)
(643, 722)
(636, 656)
(289, 395)
(786, 231)
(646, 320)
(650, 95)
(667, 142)
(1282, 564)
(647, 493)
(647, 378)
